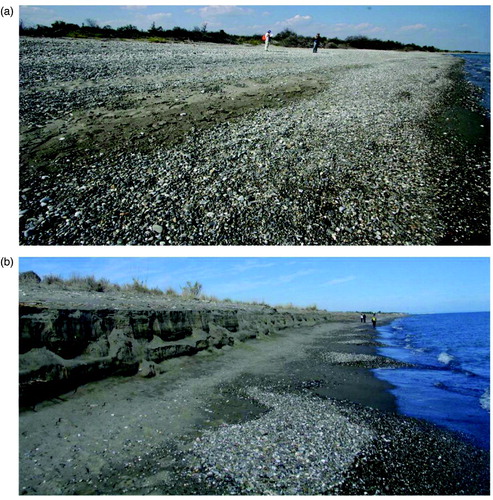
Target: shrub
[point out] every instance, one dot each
(53, 279)
(138, 286)
(191, 291)
(90, 284)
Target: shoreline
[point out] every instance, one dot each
(177, 433)
(467, 411)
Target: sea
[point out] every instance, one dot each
(477, 69)
(449, 384)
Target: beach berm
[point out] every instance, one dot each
(127, 142)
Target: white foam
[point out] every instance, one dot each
(445, 358)
(484, 400)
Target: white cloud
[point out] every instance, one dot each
(157, 16)
(338, 281)
(31, 9)
(249, 265)
(133, 7)
(287, 278)
(223, 10)
(295, 20)
(413, 27)
(32, 15)
(360, 29)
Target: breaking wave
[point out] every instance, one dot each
(445, 358)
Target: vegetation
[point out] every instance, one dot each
(140, 287)
(157, 34)
(190, 291)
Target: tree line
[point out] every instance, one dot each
(285, 38)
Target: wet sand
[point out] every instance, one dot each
(148, 436)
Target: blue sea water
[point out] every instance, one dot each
(477, 69)
(450, 383)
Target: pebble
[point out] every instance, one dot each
(366, 360)
(303, 445)
(349, 165)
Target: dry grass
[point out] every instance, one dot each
(190, 291)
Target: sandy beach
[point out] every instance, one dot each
(296, 412)
(134, 143)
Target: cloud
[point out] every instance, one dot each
(338, 281)
(32, 15)
(223, 10)
(133, 7)
(249, 265)
(360, 29)
(158, 16)
(31, 9)
(287, 278)
(413, 27)
(295, 20)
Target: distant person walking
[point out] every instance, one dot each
(374, 321)
(364, 318)
(267, 38)
(361, 318)
(316, 43)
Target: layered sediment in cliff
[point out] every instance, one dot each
(65, 346)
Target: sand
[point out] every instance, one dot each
(143, 436)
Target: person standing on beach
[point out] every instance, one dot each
(364, 318)
(267, 38)
(361, 318)
(316, 43)
(374, 320)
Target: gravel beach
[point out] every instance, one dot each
(134, 143)
(283, 414)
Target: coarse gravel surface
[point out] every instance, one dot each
(133, 143)
(366, 360)
(302, 445)
(307, 446)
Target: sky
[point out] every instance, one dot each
(420, 285)
(448, 27)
